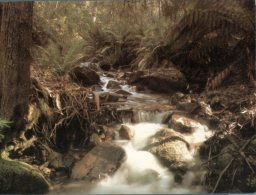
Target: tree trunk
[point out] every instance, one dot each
(1, 8)
(15, 59)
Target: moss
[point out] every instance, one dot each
(19, 177)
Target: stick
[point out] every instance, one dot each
(221, 174)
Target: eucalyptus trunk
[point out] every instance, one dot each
(15, 59)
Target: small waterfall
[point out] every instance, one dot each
(104, 80)
(140, 116)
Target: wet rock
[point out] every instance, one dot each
(185, 103)
(113, 85)
(84, 76)
(122, 92)
(171, 148)
(177, 97)
(121, 75)
(168, 80)
(109, 132)
(95, 139)
(183, 124)
(110, 74)
(102, 160)
(109, 97)
(205, 108)
(126, 132)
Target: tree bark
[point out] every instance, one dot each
(1, 8)
(15, 59)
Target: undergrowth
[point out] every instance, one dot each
(59, 61)
(199, 37)
(121, 38)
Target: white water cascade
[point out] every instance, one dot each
(143, 173)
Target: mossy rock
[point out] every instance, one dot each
(19, 177)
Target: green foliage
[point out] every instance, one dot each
(112, 32)
(4, 124)
(142, 34)
(209, 25)
(154, 35)
(61, 62)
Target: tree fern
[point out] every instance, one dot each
(209, 27)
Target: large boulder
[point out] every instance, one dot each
(167, 80)
(84, 76)
(172, 149)
(102, 160)
(20, 178)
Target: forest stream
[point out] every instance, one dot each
(141, 171)
(127, 97)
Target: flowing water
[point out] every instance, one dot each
(142, 172)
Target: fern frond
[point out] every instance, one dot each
(4, 124)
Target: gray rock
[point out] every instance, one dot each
(95, 139)
(102, 160)
(171, 148)
(183, 124)
(126, 132)
(122, 92)
(109, 97)
(113, 85)
(167, 80)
